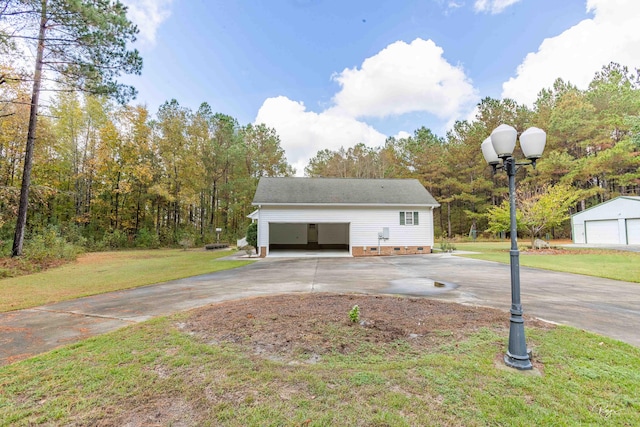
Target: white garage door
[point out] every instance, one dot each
(306, 239)
(633, 231)
(602, 232)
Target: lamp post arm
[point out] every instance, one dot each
(511, 161)
(531, 162)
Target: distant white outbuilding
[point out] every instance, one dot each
(614, 222)
(359, 217)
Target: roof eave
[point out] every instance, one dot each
(431, 205)
(599, 205)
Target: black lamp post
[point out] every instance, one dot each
(498, 146)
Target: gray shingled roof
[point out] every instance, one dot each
(342, 191)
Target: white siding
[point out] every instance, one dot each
(365, 223)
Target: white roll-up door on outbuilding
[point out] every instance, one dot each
(633, 231)
(605, 232)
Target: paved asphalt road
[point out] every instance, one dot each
(604, 306)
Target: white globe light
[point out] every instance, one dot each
(503, 139)
(488, 152)
(532, 142)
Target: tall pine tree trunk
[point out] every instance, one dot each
(202, 212)
(449, 220)
(117, 202)
(18, 238)
(214, 192)
(137, 227)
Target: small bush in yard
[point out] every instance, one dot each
(446, 245)
(115, 239)
(49, 245)
(147, 239)
(248, 250)
(252, 234)
(186, 243)
(354, 314)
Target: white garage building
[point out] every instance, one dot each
(614, 222)
(360, 217)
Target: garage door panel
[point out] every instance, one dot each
(605, 232)
(333, 233)
(287, 233)
(298, 236)
(633, 231)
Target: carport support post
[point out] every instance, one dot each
(517, 355)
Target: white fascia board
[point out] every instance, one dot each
(352, 205)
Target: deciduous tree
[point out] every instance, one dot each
(546, 209)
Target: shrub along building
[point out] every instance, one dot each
(360, 217)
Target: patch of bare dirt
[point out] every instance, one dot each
(547, 251)
(169, 411)
(14, 267)
(102, 257)
(285, 327)
(564, 251)
(96, 257)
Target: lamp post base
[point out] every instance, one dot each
(522, 363)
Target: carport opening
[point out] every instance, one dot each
(309, 237)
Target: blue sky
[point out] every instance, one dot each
(329, 73)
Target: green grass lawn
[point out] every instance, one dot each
(618, 265)
(155, 373)
(101, 272)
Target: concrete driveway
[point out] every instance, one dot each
(604, 306)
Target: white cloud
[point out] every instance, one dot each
(402, 135)
(453, 5)
(148, 15)
(578, 53)
(404, 78)
(493, 6)
(302, 133)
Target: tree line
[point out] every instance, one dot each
(122, 176)
(119, 176)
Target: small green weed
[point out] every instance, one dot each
(446, 244)
(354, 314)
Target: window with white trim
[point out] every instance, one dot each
(409, 218)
